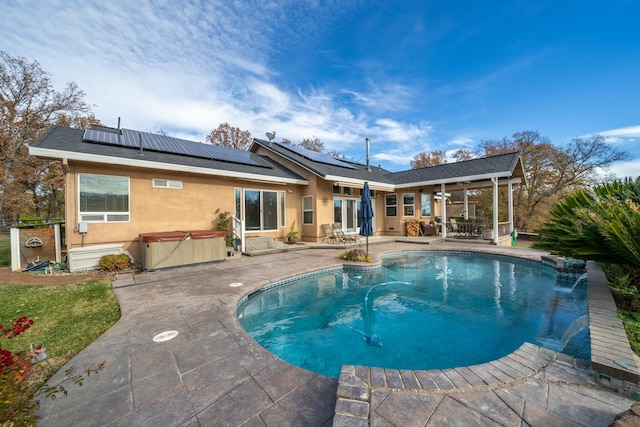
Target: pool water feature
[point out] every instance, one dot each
(426, 310)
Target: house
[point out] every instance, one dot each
(122, 183)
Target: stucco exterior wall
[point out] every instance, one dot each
(193, 207)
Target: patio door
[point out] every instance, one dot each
(347, 212)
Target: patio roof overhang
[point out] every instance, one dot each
(468, 182)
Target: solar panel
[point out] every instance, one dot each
(167, 144)
(317, 157)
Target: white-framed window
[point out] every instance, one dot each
(261, 210)
(391, 205)
(103, 198)
(337, 189)
(408, 204)
(167, 183)
(347, 191)
(307, 210)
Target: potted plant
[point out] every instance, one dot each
(293, 235)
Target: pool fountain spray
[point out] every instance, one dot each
(375, 340)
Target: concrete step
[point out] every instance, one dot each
(253, 244)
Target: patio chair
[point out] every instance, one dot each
(466, 228)
(342, 236)
(329, 235)
(454, 227)
(479, 224)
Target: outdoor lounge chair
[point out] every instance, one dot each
(329, 235)
(342, 236)
(454, 227)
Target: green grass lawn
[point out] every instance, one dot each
(67, 318)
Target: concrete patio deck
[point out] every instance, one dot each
(214, 374)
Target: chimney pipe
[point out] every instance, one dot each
(368, 163)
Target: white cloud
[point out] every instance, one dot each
(620, 135)
(626, 169)
(186, 67)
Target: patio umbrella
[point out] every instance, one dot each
(366, 214)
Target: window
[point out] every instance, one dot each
(409, 204)
(336, 189)
(238, 194)
(307, 210)
(283, 210)
(391, 205)
(261, 210)
(103, 198)
(426, 204)
(167, 183)
(346, 191)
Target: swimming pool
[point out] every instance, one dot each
(419, 310)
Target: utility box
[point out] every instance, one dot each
(177, 248)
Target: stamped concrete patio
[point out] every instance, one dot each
(214, 374)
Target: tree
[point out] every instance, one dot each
(462, 154)
(28, 106)
(312, 144)
(551, 172)
(229, 136)
(424, 159)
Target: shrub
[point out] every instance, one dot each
(224, 224)
(114, 262)
(355, 255)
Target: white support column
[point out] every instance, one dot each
(443, 210)
(510, 191)
(466, 203)
(495, 209)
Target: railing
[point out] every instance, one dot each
(237, 228)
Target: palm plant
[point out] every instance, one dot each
(601, 225)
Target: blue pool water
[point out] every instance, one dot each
(425, 310)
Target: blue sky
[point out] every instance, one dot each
(412, 76)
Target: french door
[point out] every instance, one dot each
(347, 212)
